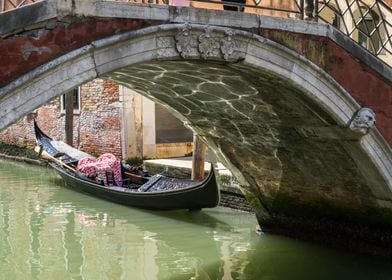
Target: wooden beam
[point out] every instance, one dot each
(199, 152)
(69, 117)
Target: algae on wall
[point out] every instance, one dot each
(14, 150)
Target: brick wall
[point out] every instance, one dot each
(96, 128)
(99, 122)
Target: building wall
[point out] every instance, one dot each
(96, 127)
(111, 119)
(149, 130)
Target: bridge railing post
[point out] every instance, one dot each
(316, 10)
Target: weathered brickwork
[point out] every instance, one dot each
(99, 122)
(52, 39)
(368, 88)
(96, 128)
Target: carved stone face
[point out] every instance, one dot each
(364, 118)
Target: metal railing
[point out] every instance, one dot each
(368, 22)
(6, 5)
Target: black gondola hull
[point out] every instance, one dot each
(158, 192)
(204, 195)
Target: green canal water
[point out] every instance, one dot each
(50, 232)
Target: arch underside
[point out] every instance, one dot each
(281, 146)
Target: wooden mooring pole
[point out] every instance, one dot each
(199, 152)
(69, 117)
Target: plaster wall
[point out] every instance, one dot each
(149, 148)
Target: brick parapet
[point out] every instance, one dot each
(52, 39)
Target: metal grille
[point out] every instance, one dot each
(288, 8)
(6, 5)
(367, 22)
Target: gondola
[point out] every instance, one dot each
(156, 192)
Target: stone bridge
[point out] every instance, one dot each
(286, 105)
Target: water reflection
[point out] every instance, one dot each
(153, 245)
(50, 232)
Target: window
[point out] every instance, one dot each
(75, 101)
(235, 6)
(368, 36)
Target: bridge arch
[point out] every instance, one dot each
(284, 132)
